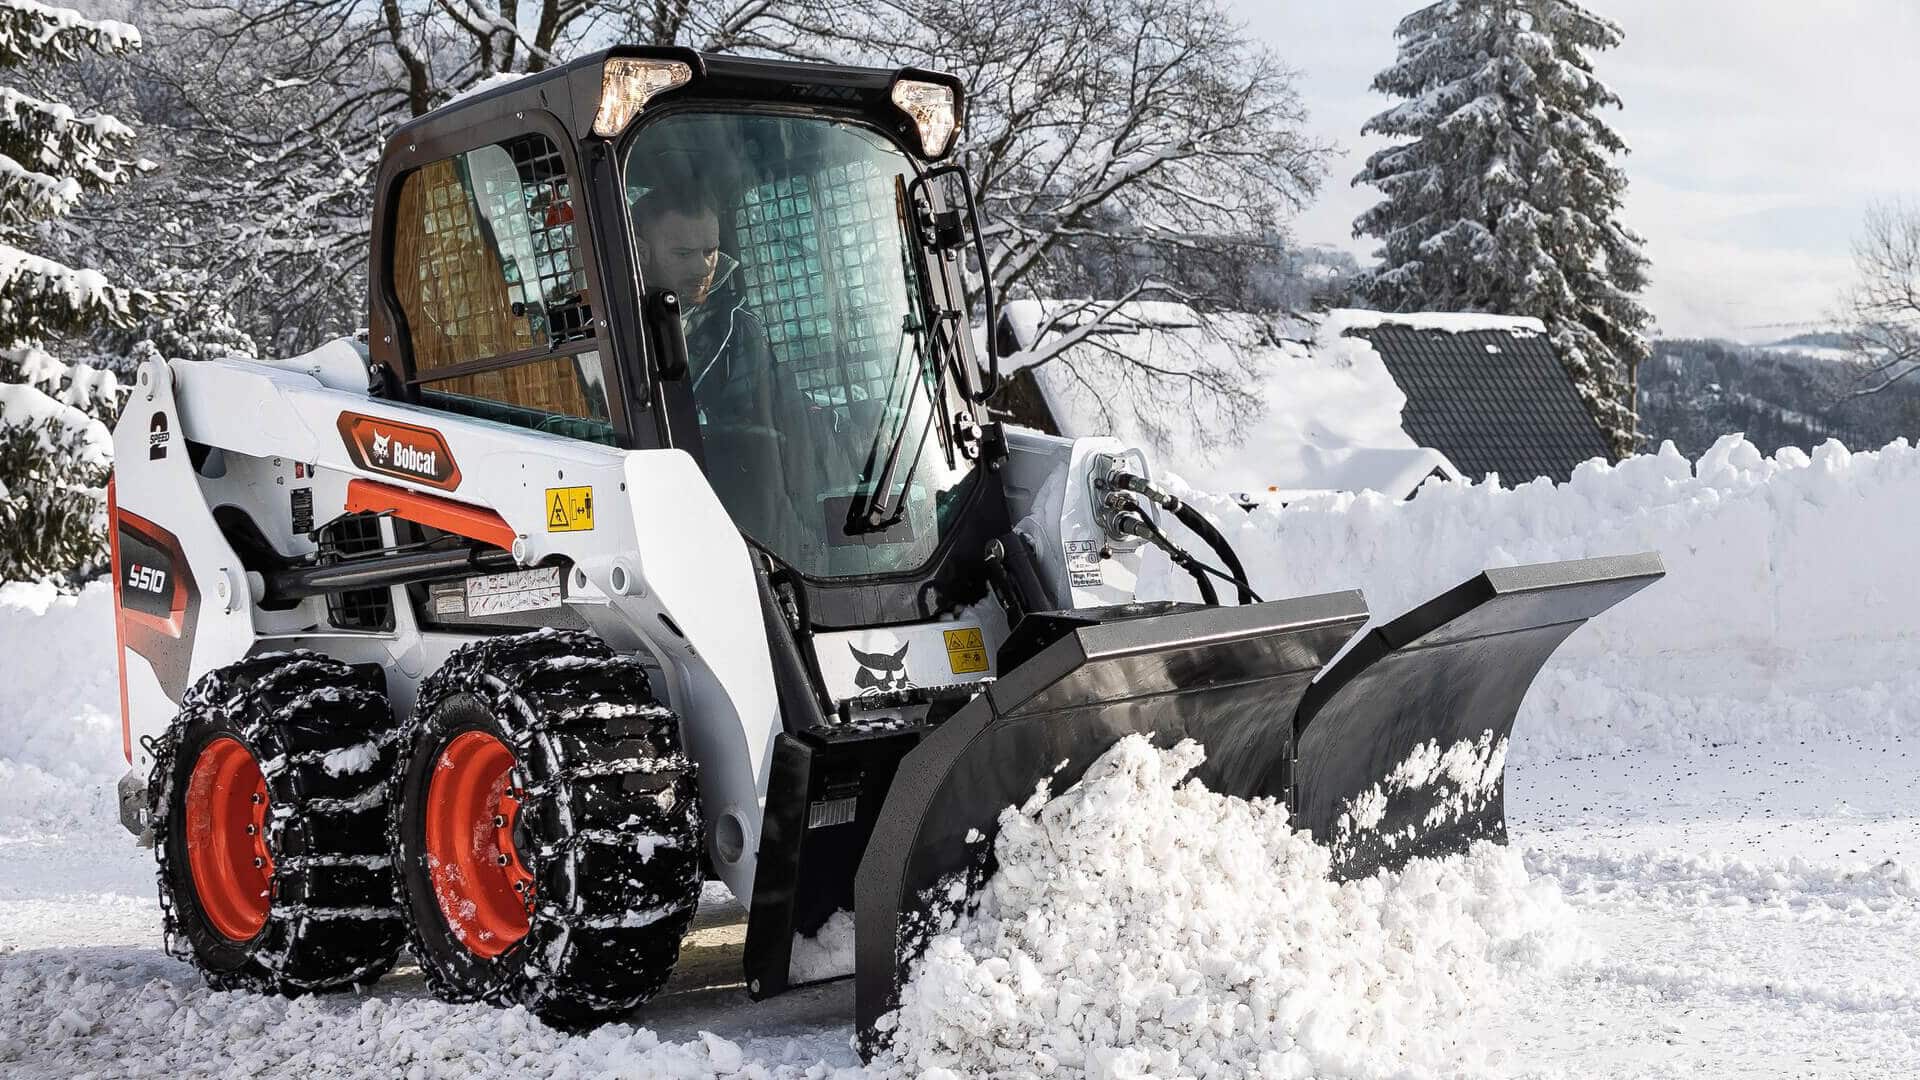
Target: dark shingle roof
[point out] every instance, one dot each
(1491, 400)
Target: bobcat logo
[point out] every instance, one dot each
(380, 446)
(881, 673)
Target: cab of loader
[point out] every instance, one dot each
(754, 261)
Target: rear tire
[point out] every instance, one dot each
(545, 829)
(268, 800)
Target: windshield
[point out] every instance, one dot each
(808, 354)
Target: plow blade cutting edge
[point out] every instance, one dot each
(1394, 753)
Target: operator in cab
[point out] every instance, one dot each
(743, 401)
(677, 240)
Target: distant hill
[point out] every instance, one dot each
(1791, 393)
(1816, 340)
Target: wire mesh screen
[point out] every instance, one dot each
(529, 203)
(486, 262)
(820, 257)
(355, 609)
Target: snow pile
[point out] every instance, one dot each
(1787, 611)
(1139, 925)
(60, 749)
(827, 954)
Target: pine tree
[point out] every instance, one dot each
(53, 447)
(1503, 195)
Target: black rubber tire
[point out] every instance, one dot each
(609, 826)
(322, 733)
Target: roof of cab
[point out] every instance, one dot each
(571, 90)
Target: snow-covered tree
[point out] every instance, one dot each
(264, 190)
(1503, 194)
(53, 446)
(1122, 151)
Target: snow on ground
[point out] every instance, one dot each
(1713, 797)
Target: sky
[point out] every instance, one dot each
(1761, 131)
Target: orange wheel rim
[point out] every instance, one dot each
(227, 839)
(483, 889)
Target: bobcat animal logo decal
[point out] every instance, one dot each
(881, 673)
(408, 451)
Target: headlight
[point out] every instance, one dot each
(627, 84)
(931, 105)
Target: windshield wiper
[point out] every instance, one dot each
(870, 511)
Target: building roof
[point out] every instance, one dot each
(1488, 393)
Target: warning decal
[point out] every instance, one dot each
(504, 594)
(569, 509)
(1083, 564)
(966, 651)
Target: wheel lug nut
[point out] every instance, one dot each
(499, 821)
(502, 859)
(258, 798)
(252, 830)
(520, 886)
(259, 862)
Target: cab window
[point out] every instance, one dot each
(488, 270)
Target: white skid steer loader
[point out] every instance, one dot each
(658, 533)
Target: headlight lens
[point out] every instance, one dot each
(931, 105)
(627, 84)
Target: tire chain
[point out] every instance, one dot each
(610, 772)
(330, 714)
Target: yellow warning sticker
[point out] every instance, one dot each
(569, 509)
(966, 651)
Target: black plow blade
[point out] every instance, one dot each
(1395, 751)
(1401, 743)
(1228, 677)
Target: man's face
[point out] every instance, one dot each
(681, 252)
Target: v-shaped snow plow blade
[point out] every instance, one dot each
(1401, 744)
(1395, 752)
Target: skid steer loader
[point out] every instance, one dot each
(656, 533)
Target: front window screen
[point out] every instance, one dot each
(807, 348)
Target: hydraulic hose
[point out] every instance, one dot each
(1134, 523)
(1197, 523)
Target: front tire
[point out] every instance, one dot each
(545, 829)
(268, 797)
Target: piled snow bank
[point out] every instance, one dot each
(1140, 926)
(1788, 610)
(60, 749)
